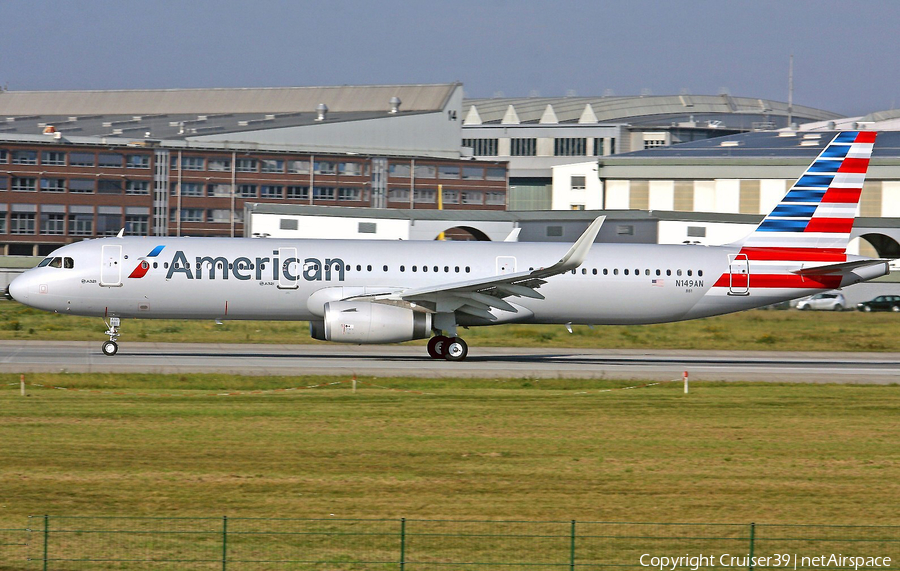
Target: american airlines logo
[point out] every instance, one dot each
(260, 268)
(143, 265)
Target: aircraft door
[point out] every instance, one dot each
(111, 266)
(738, 274)
(291, 268)
(506, 265)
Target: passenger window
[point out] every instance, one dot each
(468, 269)
(625, 271)
(358, 268)
(446, 269)
(605, 272)
(646, 272)
(584, 271)
(402, 268)
(456, 269)
(690, 272)
(369, 268)
(678, 273)
(595, 271)
(700, 273)
(615, 272)
(668, 272)
(385, 268)
(415, 268)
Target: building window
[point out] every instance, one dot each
(696, 231)
(447, 171)
(598, 147)
(271, 165)
(53, 185)
(424, 196)
(288, 224)
(247, 190)
(111, 160)
(82, 160)
(495, 198)
(109, 224)
(218, 165)
(398, 195)
(298, 192)
(81, 224)
(399, 170)
(81, 185)
(188, 163)
(324, 167)
(137, 225)
(187, 189)
(426, 171)
(298, 167)
(352, 169)
(106, 186)
(349, 194)
(24, 184)
(245, 165)
(654, 143)
(472, 197)
(271, 191)
(219, 189)
(625, 230)
(570, 146)
(523, 147)
(495, 173)
(482, 147)
(2, 222)
(473, 173)
(323, 193)
(578, 182)
(137, 161)
(54, 158)
(4, 183)
(4, 157)
(367, 228)
(554, 231)
(220, 215)
(24, 157)
(137, 187)
(191, 215)
(450, 197)
(21, 223)
(53, 224)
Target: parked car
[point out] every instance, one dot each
(832, 301)
(881, 303)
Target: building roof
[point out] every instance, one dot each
(339, 99)
(765, 144)
(661, 110)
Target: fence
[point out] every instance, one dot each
(255, 544)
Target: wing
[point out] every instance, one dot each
(477, 297)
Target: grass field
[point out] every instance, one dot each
(418, 448)
(756, 329)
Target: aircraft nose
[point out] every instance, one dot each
(16, 290)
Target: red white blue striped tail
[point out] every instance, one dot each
(814, 219)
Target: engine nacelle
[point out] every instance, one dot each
(365, 322)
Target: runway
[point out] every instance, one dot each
(408, 360)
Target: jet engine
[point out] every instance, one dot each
(366, 322)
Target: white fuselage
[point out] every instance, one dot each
(270, 279)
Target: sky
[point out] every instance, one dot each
(845, 52)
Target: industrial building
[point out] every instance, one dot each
(76, 165)
(535, 134)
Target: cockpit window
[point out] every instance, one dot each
(57, 262)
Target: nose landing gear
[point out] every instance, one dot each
(110, 347)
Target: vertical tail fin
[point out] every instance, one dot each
(817, 213)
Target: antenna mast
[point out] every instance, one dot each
(791, 92)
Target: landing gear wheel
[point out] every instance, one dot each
(109, 348)
(437, 345)
(456, 350)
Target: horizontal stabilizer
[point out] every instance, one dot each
(839, 268)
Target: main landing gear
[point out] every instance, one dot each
(450, 348)
(110, 347)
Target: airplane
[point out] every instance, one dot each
(393, 291)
